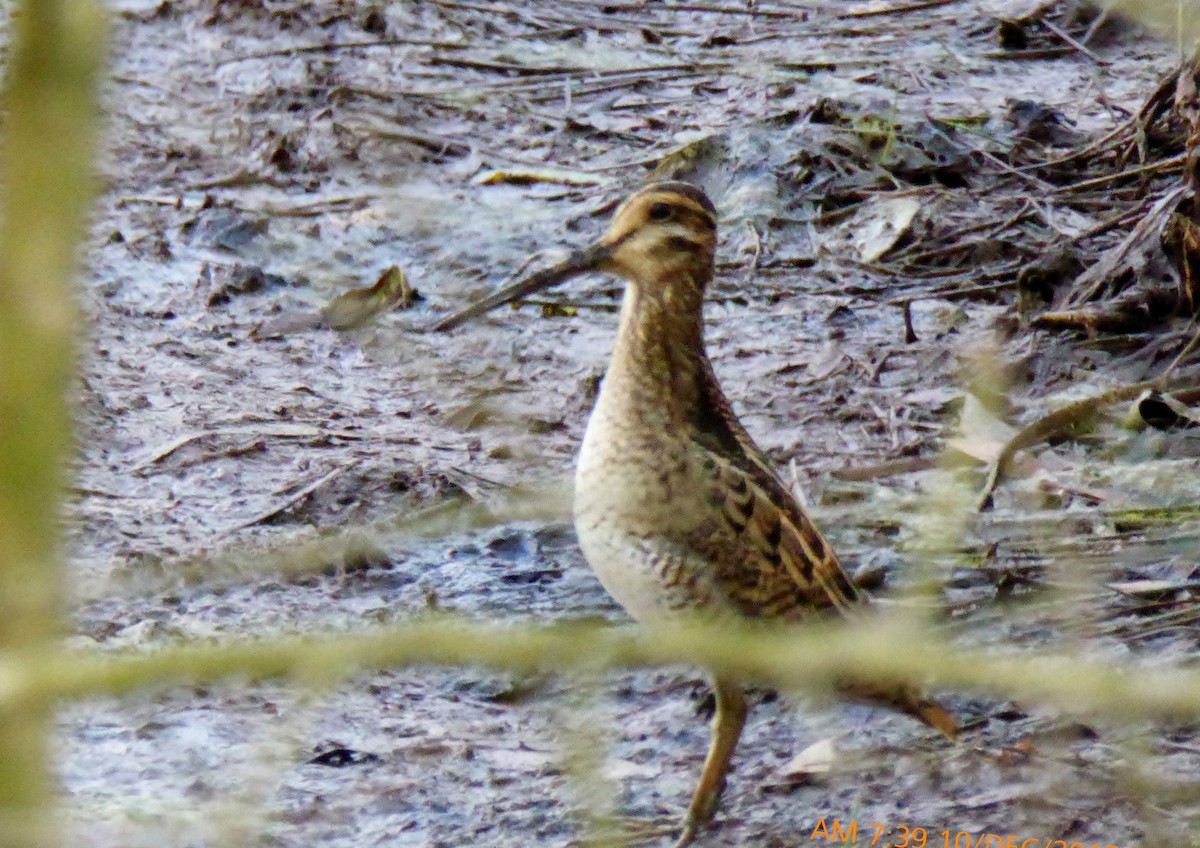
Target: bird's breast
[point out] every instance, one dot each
(636, 465)
(639, 506)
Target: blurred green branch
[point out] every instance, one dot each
(793, 659)
(45, 169)
(1176, 20)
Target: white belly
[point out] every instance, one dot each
(627, 511)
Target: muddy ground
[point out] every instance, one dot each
(262, 157)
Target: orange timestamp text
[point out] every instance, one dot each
(902, 836)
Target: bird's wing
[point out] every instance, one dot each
(772, 559)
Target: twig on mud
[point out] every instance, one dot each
(252, 446)
(315, 208)
(1095, 25)
(386, 129)
(1163, 166)
(1036, 182)
(603, 82)
(1078, 45)
(1114, 221)
(312, 209)
(627, 76)
(176, 202)
(280, 431)
(910, 333)
(439, 145)
(898, 9)
(904, 273)
(1188, 348)
(1134, 310)
(295, 498)
(507, 9)
(999, 273)
(1172, 619)
(241, 179)
(953, 294)
(1038, 53)
(509, 67)
(335, 46)
(992, 231)
(371, 123)
(611, 23)
(888, 468)
(745, 10)
(601, 88)
(1094, 147)
(1088, 284)
(995, 229)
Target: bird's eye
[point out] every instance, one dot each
(661, 212)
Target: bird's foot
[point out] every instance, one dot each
(688, 835)
(635, 831)
(699, 814)
(625, 831)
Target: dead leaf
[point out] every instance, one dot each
(694, 155)
(877, 226)
(354, 308)
(982, 435)
(1150, 588)
(814, 761)
(1040, 123)
(528, 176)
(558, 310)
(472, 415)
(520, 759)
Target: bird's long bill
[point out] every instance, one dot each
(579, 262)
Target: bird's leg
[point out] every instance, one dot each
(727, 723)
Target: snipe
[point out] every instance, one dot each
(676, 508)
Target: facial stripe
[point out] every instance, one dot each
(677, 200)
(682, 244)
(685, 197)
(689, 228)
(698, 197)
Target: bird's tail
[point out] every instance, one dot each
(905, 699)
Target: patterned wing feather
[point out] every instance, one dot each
(779, 564)
(790, 566)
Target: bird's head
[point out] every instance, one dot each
(665, 232)
(662, 240)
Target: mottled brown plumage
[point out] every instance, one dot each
(676, 508)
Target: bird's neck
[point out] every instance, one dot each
(659, 359)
